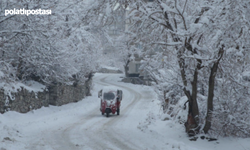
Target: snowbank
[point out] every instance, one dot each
(28, 85)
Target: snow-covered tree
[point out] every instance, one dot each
(57, 47)
(195, 40)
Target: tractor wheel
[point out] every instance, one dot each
(107, 114)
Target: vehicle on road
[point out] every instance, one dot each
(110, 98)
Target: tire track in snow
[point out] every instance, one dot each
(93, 131)
(119, 141)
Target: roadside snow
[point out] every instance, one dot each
(81, 126)
(110, 68)
(29, 85)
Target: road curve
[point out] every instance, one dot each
(94, 131)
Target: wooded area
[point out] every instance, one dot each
(198, 49)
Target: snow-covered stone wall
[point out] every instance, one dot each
(23, 100)
(58, 94)
(62, 94)
(106, 69)
(136, 80)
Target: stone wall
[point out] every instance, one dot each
(57, 94)
(62, 94)
(107, 70)
(136, 80)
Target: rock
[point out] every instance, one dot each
(193, 139)
(7, 139)
(212, 139)
(191, 133)
(165, 119)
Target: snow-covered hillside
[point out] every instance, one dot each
(81, 126)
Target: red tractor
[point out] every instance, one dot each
(110, 100)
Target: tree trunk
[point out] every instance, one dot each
(194, 97)
(192, 124)
(210, 98)
(126, 68)
(193, 110)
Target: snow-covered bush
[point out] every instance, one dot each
(231, 113)
(60, 47)
(231, 118)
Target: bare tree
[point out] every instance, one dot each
(197, 35)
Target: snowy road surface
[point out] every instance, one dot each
(80, 126)
(94, 131)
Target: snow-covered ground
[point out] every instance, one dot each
(81, 126)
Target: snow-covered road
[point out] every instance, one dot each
(94, 131)
(80, 126)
